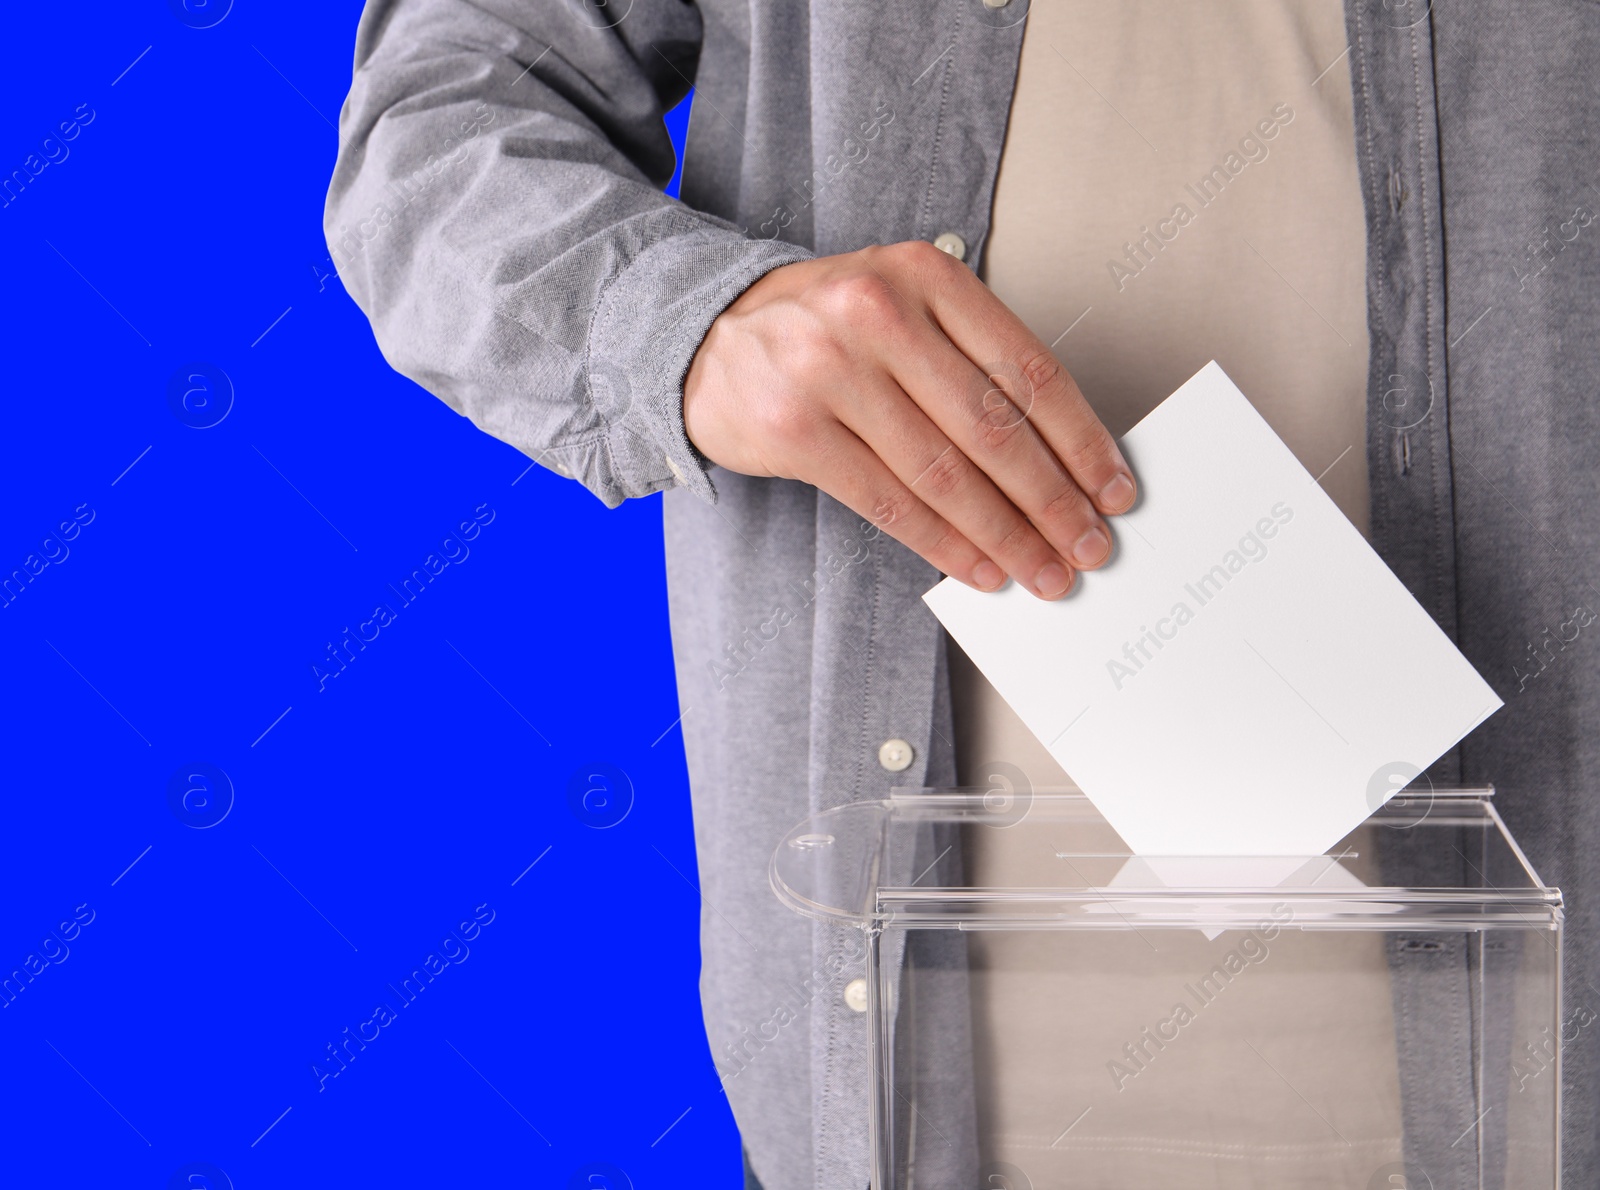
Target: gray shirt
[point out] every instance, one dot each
(496, 212)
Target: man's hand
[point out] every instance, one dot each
(893, 380)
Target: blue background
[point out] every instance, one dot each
(175, 634)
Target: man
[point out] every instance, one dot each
(1389, 246)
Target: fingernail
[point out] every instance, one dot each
(987, 575)
(1117, 494)
(1092, 548)
(1053, 580)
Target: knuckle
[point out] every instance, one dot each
(1020, 539)
(945, 475)
(936, 269)
(1006, 401)
(949, 549)
(1042, 372)
(789, 425)
(1067, 506)
(859, 297)
(881, 255)
(996, 429)
(1091, 452)
(946, 542)
(920, 254)
(893, 508)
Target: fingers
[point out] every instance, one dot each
(848, 469)
(986, 417)
(943, 478)
(980, 326)
(892, 379)
(1065, 420)
(978, 414)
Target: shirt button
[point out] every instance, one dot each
(677, 474)
(896, 755)
(855, 995)
(995, 3)
(951, 243)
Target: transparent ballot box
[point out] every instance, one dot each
(1047, 1010)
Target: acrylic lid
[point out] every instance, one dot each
(1440, 861)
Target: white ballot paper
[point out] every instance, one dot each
(1246, 676)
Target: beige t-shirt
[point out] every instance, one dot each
(1179, 184)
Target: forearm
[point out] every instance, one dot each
(495, 212)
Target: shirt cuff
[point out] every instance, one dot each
(648, 324)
